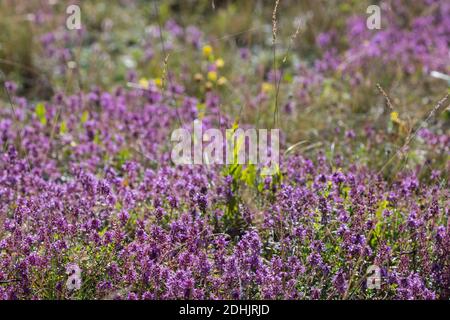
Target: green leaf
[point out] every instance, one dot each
(84, 117)
(63, 127)
(379, 214)
(97, 139)
(122, 156)
(40, 112)
(249, 175)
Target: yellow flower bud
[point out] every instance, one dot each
(212, 76)
(207, 50)
(220, 63)
(143, 83)
(394, 116)
(266, 87)
(222, 81)
(158, 82)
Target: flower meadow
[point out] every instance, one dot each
(93, 207)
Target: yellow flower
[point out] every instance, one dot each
(222, 81)
(220, 63)
(266, 87)
(207, 50)
(212, 76)
(394, 117)
(158, 82)
(143, 83)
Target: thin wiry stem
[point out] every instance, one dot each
(388, 100)
(414, 134)
(274, 46)
(166, 62)
(17, 122)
